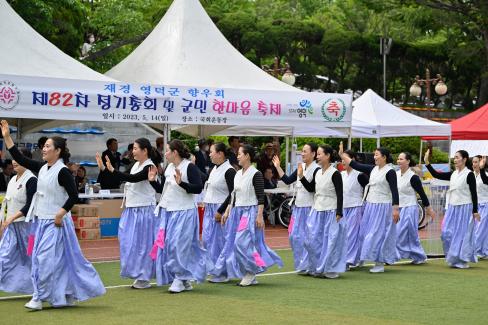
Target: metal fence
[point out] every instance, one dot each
(430, 232)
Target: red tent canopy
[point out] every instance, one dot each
(473, 126)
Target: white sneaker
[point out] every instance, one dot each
(418, 262)
(462, 266)
(188, 286)
(141, 284)
(177, 286)
(34, 304)
(331, 275)
(378, 268)
(248, 279)
(218, 279)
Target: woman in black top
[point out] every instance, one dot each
(60, 273)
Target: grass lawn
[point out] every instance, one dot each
(404, 294)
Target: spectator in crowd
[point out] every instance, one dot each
(6, 174)
(128, 158)
(265, 160)
(234, 145)
(160, 145)
(269, 181)
(110, 180)
(73, 168)
(202, 159)
(81, 179)
(37, 154)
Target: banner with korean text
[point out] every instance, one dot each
(82, 100)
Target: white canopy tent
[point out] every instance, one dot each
(473, 147)
(27, 53)
(374, 117)
(187, 49)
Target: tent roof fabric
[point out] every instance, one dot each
(473, 126)
(374, 117)
(187, 49)
(26, 52)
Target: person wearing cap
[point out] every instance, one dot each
(265, 160)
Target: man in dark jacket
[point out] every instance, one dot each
(106, 179)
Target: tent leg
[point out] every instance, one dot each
(19, 130)
(420, 153)
(378, 142)
(349, 139)
(360, 144)
(287, 156)
(450, 145)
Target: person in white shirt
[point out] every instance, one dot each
(15, 263)
(245, 253)
(481, 232)
(458, 227)
(218, 188)
(60, 273)
(179, 256)
(409, 185)
(377, 232)
(353, 188)
(326, 232)
(138, 224)
(303, 201)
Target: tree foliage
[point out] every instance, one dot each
(335, 39)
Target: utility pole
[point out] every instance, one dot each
(385, 47)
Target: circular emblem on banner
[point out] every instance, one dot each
(307, 104)
(333, 110)
(9, 95)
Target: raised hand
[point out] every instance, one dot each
(276, 161)
(99, 161)
(109, 164)
(5, 129)
(341, 149)
(483, 162)
(426, 157)
(152, 173)
(300, 170)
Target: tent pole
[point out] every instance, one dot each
(450, 145)
(349, 139)
(420, 153)
(287, 156)
(19, 130)
(360, 144)
(293, 161)
(378, 142)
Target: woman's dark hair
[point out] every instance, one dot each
(60, 143)
(351, 154)
(465, 155)
(221, 147)
(247, 149)
(408, 156)
(152, 153)
(330, 151)
(180, 147)
(41, 142)
(313, 148)
(385, 153)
